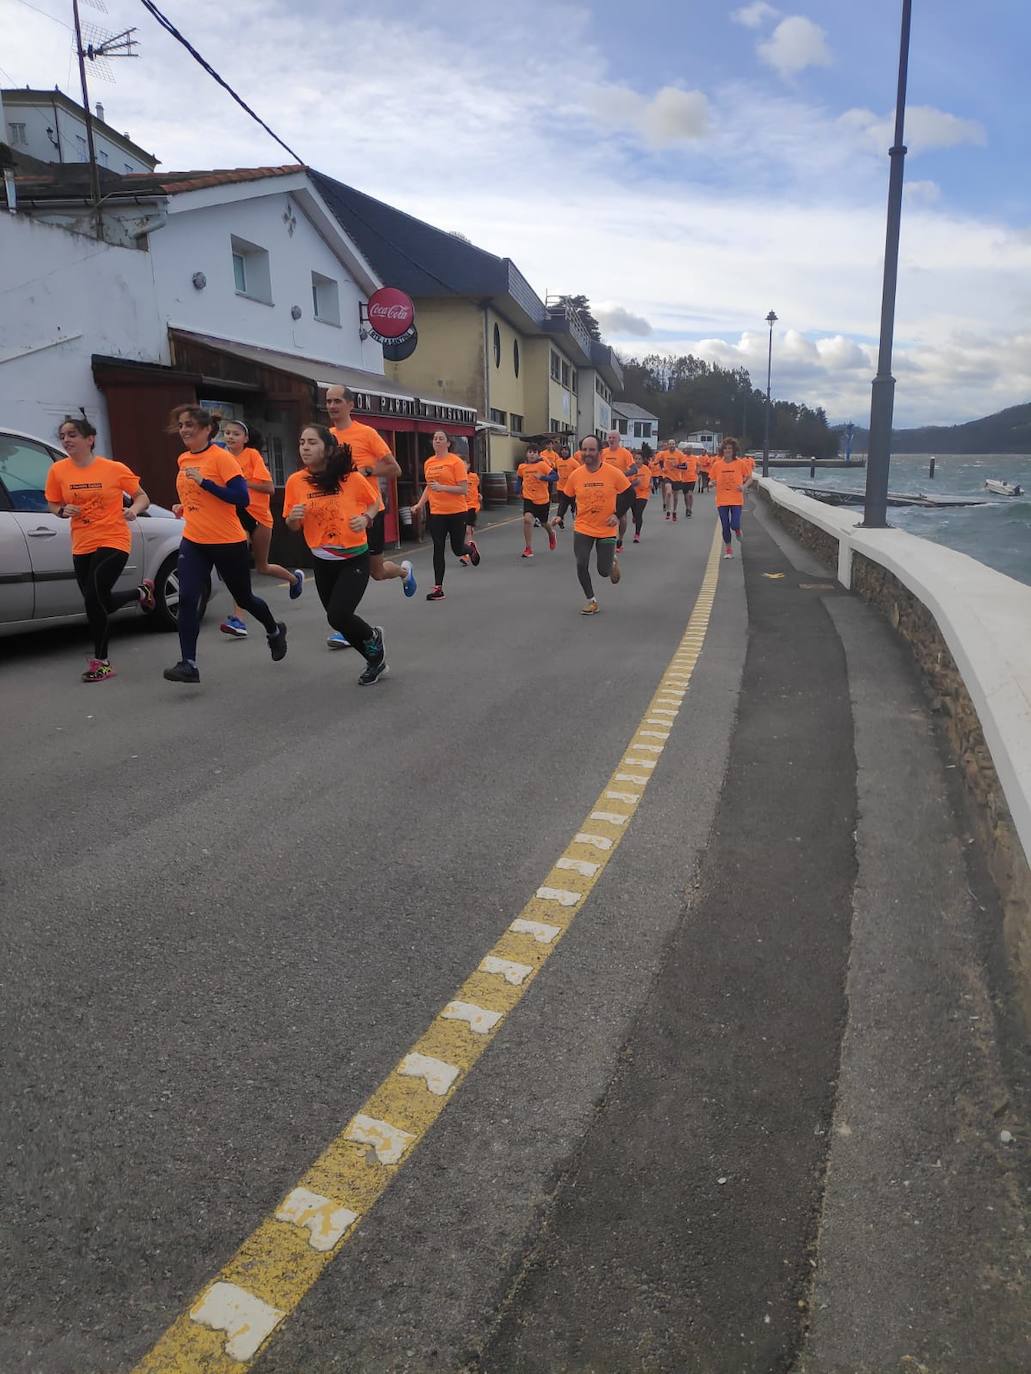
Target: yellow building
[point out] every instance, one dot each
(486, 339)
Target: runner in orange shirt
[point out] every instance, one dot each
(567, 462)
(212, 491)
(550, 452)
(602, 494)
(535, 473)
(446, 494)
(472, 512)
(87, 489)
(730, 475)
(704, 464)
(671, 476)
(619, 457)
(642, 490)
(336, 508)
(257, 518)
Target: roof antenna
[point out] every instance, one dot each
(99, 46)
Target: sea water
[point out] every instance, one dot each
(997, 533)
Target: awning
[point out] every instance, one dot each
(373, 392)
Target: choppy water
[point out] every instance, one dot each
(998, 533)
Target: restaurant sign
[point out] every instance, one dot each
(391, 321)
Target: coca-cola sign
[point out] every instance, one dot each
(391, 313)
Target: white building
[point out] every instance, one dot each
(708, 440)
(637, 425)
(597, 386)
(51, 127)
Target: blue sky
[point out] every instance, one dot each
(686, 164)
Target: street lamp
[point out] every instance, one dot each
(771, 320)
(882, 403)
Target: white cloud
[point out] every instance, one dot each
(671, 116)
(927, 129)
(923, 192)
(755, 15)
(796, 43)
(619, 322)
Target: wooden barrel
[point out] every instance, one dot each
(513, 481)
(494, 488)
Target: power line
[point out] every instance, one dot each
(169, 27)
(46, 15)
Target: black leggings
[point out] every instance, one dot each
(233, 564)
(639, 504)
(440, 527)
(582, 546)
(96, 574)
(564, 503)
(341, 585)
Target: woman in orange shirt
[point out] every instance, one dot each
(256, 520)
(212, 489)
(445, 493)
(730, 475)
(642, 490)
(472, 495)
(336, 507)
(88, 490)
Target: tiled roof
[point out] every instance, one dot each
(171, 182)
(630, 411)
(48, 180)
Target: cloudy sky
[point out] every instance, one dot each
(687, 165)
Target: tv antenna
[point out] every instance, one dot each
(96, 46)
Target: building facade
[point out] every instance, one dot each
(50, 127)
(599, 385)
(637, 425)
(708, 440)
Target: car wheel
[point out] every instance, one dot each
(166, 593)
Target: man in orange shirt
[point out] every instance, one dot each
(730, 475)
(603, 495)
(621, 458)
(566, 464)
(550, 452)
(536, 474)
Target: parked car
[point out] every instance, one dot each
(37, 580)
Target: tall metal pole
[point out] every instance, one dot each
(94, 175)
(882, 404)
(771, 320)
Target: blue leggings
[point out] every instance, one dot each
(730, 519)
(233, 564)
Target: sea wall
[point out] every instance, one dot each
(969, 630)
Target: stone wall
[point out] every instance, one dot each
(820, 544)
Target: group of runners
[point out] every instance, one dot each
(335, 502)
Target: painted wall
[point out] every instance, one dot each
(199, 240)
(594, 411)
(448, 361)
(66, 297)
(70, 133)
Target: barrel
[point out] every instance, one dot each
(512, 478)
(495, 489)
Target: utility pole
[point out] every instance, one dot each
(771, 320)
(94, 174)
(882, 403)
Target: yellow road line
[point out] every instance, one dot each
(229, 1322)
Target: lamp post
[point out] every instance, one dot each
(882, 403)
(771, 320)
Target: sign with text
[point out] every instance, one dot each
(391, 314)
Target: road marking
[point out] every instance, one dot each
(227, 1325)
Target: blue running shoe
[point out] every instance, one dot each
(296, 588)
(409, 583)
(234, 627)
(337, 641)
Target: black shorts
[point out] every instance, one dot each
(470, 518)
(377, 535)
(674, 483)
(540, 512)
(247, 520)
(688, 486)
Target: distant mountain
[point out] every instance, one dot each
(1008, 431)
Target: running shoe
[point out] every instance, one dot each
(234, 627)
(552, 541)
(437, 594)
(728, 553)
(296, 588)
(464, 560)
(148, 596)
(674, 517)
(689, 513)
(616, 572)
(737, 534)
(338, 641)
(408, 586)
(667, 515)
(277, 642)
(561, 524)
(474, 553)
(526, 553)
(591, 608)
(637, 538)
(98, 670)
(619, 546)
(375, 667)
(182, 672)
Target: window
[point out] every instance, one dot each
(18, 139)
(325, 296)
(278, 465)
(638, 430)
(621, 426)
(565, 374)
(556, 366)
(127, 167)
(80, 140)
(498, 417)
(23, 471)
(497, 346)
(515, 356)
(573, 382)
(103, 158)
(555, 426)
(516, 423)
(251, 273)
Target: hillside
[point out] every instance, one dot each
(1007, 431)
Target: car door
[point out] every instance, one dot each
(15, 570)
(24, 464)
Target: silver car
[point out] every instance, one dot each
(37, 580)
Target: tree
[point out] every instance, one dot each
(580, 308)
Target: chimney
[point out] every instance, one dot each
(100, 112)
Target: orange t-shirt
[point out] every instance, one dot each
(367, 448)
(550, 456)
(567, 465)
(595, 495)
(620, 458)
(209, 519)
(472, 495)
(254, 470)
(532, 475)
(450, 470)
(728, 477)
(327, 519)
(97, 489)
(643, 482)
(751, 464)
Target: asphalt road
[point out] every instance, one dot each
(229, 910)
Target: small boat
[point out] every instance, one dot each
(1003, 488)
